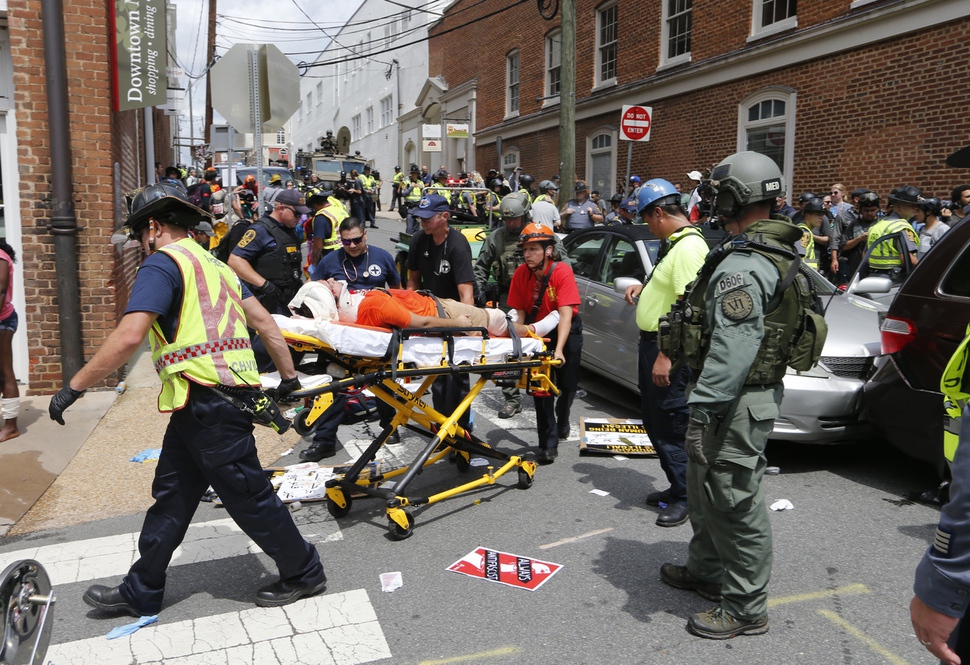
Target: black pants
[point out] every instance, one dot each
(209, 442)
(550, 410)
(665, 415)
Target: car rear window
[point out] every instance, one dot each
(957, 279)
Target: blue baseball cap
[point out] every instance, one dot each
(635, 178)
(629, 204)
(431, 205)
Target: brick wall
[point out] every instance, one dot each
(877, 116)
(98, 140)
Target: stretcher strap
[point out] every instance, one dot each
(516, 340)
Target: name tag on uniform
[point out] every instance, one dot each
(729, 283)
(290, 249)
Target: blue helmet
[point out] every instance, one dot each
(654, 192)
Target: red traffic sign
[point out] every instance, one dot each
(635, 123)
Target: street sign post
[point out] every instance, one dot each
(635, 125)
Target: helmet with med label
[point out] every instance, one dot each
(745, 178)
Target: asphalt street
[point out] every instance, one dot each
(844, 558)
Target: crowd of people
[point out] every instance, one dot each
(718, 332)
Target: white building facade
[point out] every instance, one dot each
(368, 76)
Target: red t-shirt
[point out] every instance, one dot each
(560, 292)
(393, 308)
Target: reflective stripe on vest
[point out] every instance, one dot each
(415, 193)
(955, 386)
(336, 214)
(886, 255)
(211, 344)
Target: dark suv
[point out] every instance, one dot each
(926, 321)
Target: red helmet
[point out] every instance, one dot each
(536, 233)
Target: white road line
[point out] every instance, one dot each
(323, 630)
(111, 556)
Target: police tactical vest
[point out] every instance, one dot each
(211, 344)
(794, 329)
(282, 264)
(955, 386)
(808, 243)
(414, 191)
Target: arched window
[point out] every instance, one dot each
(510, 161)
(601, 162)
(766, 124)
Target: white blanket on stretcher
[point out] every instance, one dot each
(422, 351)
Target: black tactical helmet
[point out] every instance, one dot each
(931, 205)
(163, 202)
(496, 183)
(869, 199)
(525, 181)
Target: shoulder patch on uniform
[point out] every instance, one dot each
(247, 238)
(729, 283)
(737, 305)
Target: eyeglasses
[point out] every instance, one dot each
(347, 242)
(835, 193)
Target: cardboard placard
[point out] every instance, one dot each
(614, 436)
(510, 569)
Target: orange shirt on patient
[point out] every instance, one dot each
(393, 308)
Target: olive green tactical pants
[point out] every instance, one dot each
(732, 535)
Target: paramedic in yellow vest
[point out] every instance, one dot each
(327, 215)
(195, 312)
(885, 258)
(938, 610)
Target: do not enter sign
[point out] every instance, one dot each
(635, 123)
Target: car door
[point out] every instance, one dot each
(610, 331)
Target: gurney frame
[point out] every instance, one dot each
(447, 436)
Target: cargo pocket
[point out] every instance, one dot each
(762, 419)
(728, 484)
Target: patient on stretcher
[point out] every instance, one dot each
(400, 308)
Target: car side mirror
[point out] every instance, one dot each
(872, 285)
(621, 284)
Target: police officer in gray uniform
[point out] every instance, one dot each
(742, 318)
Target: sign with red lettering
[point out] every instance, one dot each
(504, 568)
(635, 122)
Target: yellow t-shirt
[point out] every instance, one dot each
(671, 276)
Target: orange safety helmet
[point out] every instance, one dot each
(536, 233)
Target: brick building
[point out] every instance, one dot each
(865, 92)
(108, 159)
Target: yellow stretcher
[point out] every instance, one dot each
(527, 363)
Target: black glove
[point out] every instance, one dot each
(694, 441)
(64, 398)
(270, 290)
(286, 387)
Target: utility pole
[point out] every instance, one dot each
(567, 100)
(210, 56)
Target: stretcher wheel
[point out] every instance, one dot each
(462, 462)
(397, 531)
(26, 604)
(336, 510)
(300, 424)
(525, 480)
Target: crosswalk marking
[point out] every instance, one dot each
(111, 556)
(322, 630)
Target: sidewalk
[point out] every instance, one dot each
(53, 476)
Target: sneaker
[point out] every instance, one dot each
(716, 624)
(680, 578)
(509, 410)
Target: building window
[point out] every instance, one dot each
(601, 163)
(512, 87)
(309, 105)
(677, 22)
(771, 16)
(766, 124)
(319, 93)
(355, 127)
(387, 111)
(606, 45)
(510, 162)
(281, 137)
(370, 119)
(553, 63)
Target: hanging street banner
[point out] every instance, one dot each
(139, 54)
(504, 568)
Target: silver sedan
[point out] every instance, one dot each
(820, 406)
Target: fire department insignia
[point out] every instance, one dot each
(247, 238)
(737, 305)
